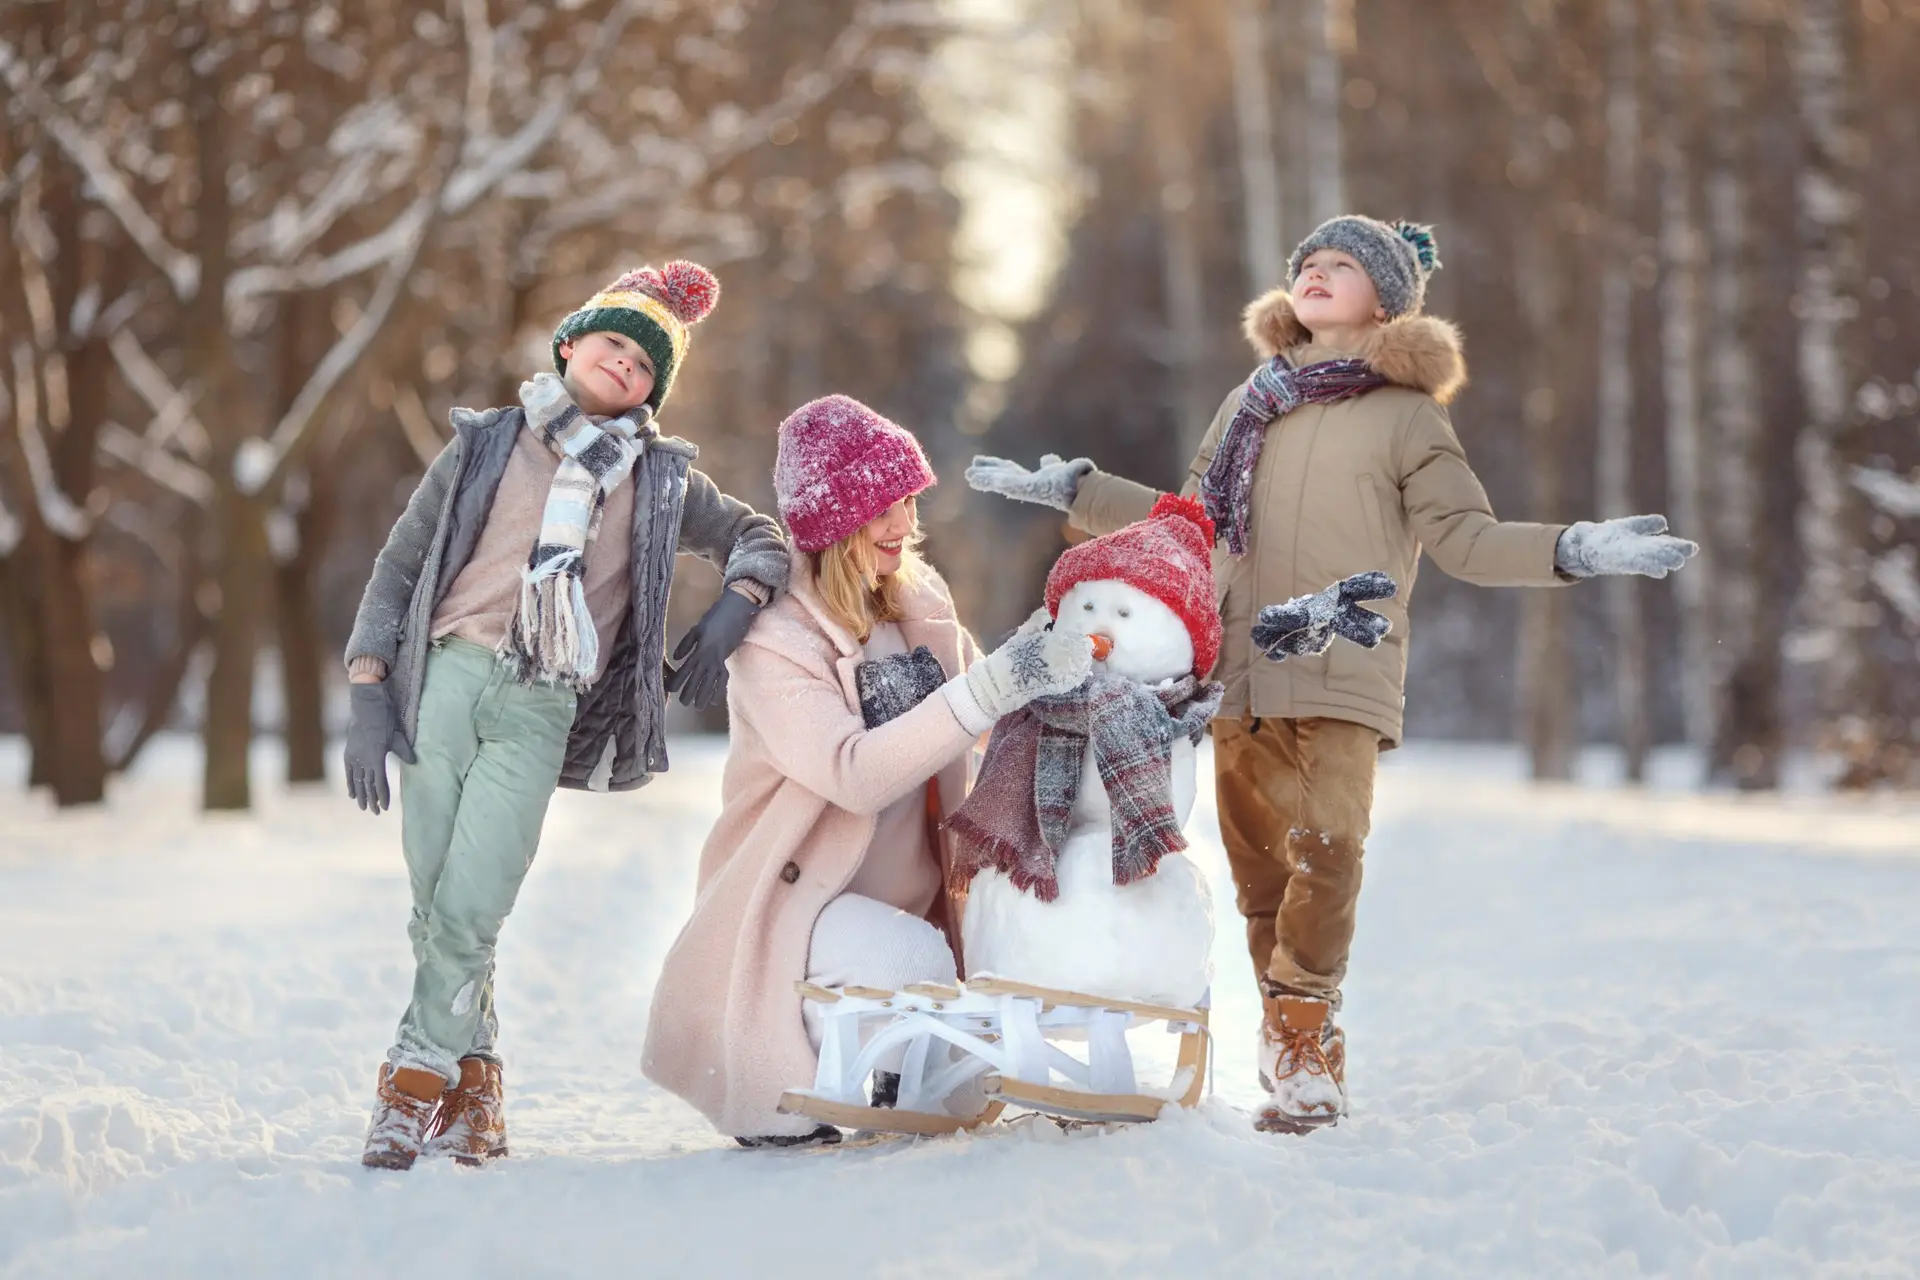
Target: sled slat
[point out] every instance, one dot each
(939, 991)
(813, 991)
(1075, 1103)
(869, 993)
(1051, 997)
(849, 1115)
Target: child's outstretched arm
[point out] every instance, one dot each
(753, 559)
(1095, 501)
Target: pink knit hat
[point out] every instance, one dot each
(840, 466)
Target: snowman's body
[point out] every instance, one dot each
(1150, 940)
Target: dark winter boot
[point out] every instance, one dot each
(1303, 1066)
(472, 1125)
(886, 1089)
(403, 1109)
(825, 1136)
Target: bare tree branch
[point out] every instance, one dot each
(182, 270)
(172, 407)
(163, 468)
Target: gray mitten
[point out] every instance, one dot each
(1631, 544)
(1039, 664)
(1307, 625)
(1055, 484)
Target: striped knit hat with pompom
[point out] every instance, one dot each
(1397, 256)
(656, 307)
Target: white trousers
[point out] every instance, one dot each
(864, 942)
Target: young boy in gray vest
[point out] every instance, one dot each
(511, 641)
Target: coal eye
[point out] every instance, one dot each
(1088, 606)
(1126, 613)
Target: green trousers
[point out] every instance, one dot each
(488, 754)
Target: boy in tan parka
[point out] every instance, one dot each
(1336, 457)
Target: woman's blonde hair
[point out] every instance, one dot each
(856, 595)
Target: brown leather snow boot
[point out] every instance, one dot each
(403, 1109)
(472, 1125)
(1303, 1066)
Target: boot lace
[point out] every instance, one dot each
(1301, 1051)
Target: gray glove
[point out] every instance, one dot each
(1055, 484)
(1306, 625)
(1631, 544)
(700, 671)
(1036, 665)
(371, 732)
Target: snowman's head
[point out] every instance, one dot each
(1149, 641)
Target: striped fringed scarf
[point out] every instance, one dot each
(1018, 814)
(552, 639)
(1276, 388)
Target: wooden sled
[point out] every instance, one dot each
(1004, 1035)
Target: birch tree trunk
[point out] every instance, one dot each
(1265, 253)
(1329, 40)
(1613, 463)
(1182, 283)
(1746, 687)
(1836, 606)
(1676, 52)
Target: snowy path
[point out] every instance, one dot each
(1592, 1034)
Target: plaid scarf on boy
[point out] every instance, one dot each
(552, 638)
(1018, 814)
(1276, 388)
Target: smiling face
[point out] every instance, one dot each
(1147, 641)
(607, 373)
(889, 533)
(1333, 293)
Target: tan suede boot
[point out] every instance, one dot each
(472, 1126)
(1303, 1066)
(403, 1110)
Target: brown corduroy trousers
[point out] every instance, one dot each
(1296, 798)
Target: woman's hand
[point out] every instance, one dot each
(1037, 665)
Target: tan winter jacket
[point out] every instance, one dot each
(1366, 483)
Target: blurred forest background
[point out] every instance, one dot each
(255, 250)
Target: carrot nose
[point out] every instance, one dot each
(1102, 646)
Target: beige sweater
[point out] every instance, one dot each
(482, 600)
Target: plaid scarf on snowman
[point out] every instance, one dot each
(1018, 814)
(552, 639)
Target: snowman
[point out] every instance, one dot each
(1074, 831)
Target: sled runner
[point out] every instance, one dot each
(1000, 1037)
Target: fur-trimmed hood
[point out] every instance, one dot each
(1418, 352)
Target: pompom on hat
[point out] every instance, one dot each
(1169, 556)
(655, 306)
(1397, 256)
(840, 466)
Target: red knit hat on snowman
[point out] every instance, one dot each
(1169, 556)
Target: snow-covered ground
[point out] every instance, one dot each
(1591, 1033)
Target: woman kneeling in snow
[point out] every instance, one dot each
(853, 703)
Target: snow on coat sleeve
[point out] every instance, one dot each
(396, 570)
(732, 537)
(813, 737)
(1448, 509)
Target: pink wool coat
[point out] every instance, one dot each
(803, 785)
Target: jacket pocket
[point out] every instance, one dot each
(1370, 517)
